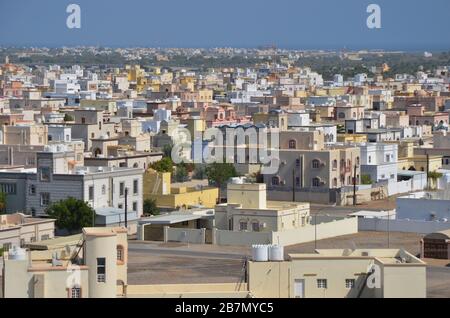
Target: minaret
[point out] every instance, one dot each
(7, 59)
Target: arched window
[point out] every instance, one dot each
(292, 144)
(335, 182)
(334, 164)
(316, 164)
(357, 161)
(341, 115)
(135, 165)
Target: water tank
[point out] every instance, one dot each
(276, 253)
(237, 180)
(17, 253)
(260, 253)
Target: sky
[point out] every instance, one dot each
(293, 24)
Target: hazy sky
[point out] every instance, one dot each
(303, 24)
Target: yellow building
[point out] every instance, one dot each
(157, 186)
(351, 138)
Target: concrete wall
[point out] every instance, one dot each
(289, 237)
(223, 237)
(408, 226)
(323, 230)
(196, 236)
(226, 290)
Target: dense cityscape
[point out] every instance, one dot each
(223, 172)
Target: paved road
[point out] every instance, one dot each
(438, 277)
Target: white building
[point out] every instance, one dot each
(379, 161)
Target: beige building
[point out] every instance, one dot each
(372, 273)
(19, 229)
(34, 134)
(310, 174)
(95, 268)
(248, 210)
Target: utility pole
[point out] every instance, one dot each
(126, 208)
(428, 170)
(293, 185)
(354, 185)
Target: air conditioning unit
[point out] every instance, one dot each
(322, 182)
(283, 182)
(263, 225)
(283, 162)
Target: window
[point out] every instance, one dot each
(297, 181)
(388, 158)
(75, 292)
(22, 242)
(91, 193)
(292, 144)
(45, 199)
(32, 189)
(120, 206)
(103, 189)
(297, 162)
(315, 164)
(370, 159)
(101, 270)
(44, 174)
(243, 226)
(135, 187)
(335, 182)
(349, 283)
(316, 182)
(255, 226)
(8, 188)
(6, 246)
(122, 188)
(135, 206)
(322, 283)
(275, 181)
(45, 237)
(334, 164)
(120, 253)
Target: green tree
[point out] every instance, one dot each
(167, 150)
(181, 173)
(164, 165)
(366, 179)
(67, 117)
(199, 172)
(71, 214)
(219, 173)
(150, 207)
(2, 203)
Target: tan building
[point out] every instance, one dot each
(309, 175)
(91, 269)
(18, 229)
(33, 134)
(248, 210)
(340, 274)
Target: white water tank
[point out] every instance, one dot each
(237, 180)
(276, 253)
(17, 253)
(260, 253)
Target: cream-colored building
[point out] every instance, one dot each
(19, 229)
(248, 210)
(372, 273)
(95, 268)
